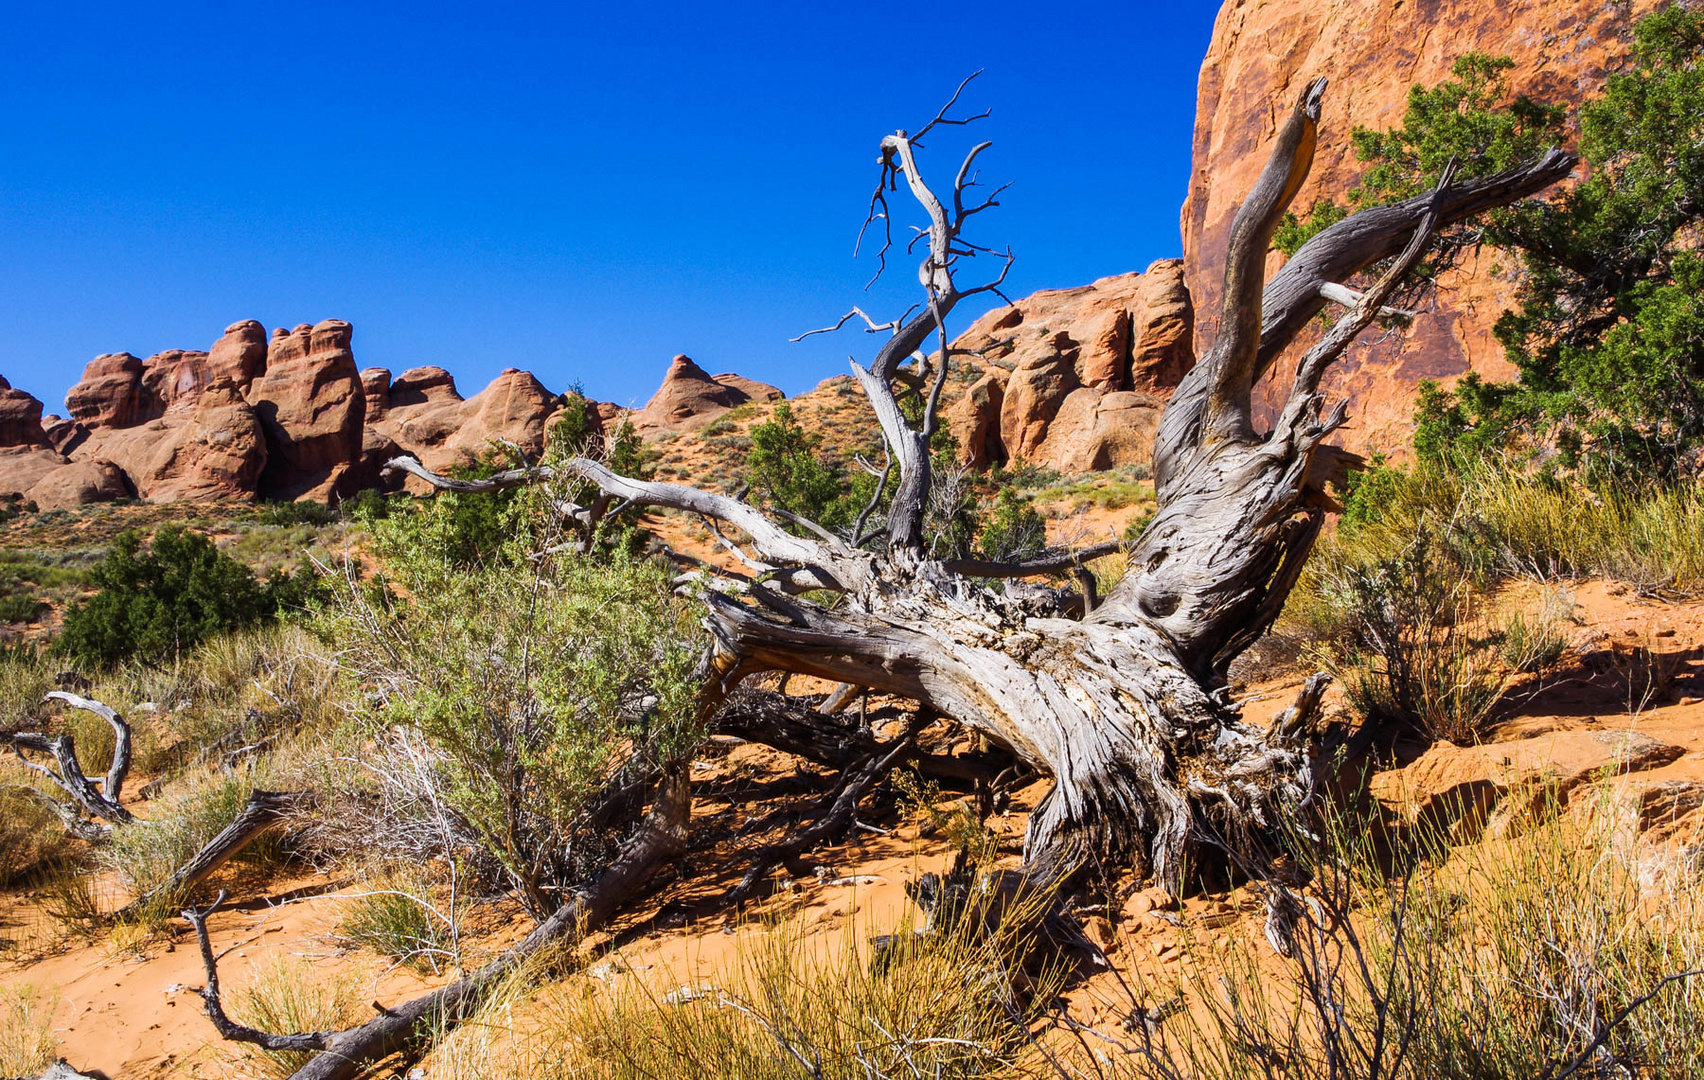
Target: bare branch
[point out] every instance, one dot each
(941, 117)
(224, 1025)
(1303, 401)
(1048, 563)
(263, 810)
(120, 765)
(1232, 358)
(840, 569)
(69, 777)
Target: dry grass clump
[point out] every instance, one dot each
(288, 995)
(1559, 954)
(1497, 521)
(400, 917)
(787, 1007)
(1414, 642)
(29, 832)
(27, 1042)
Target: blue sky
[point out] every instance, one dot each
(580, 191)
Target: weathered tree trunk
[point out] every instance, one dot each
(1125, 706)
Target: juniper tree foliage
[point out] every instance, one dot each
(154, 602)
(1608, 331)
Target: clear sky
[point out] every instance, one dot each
(582, 191)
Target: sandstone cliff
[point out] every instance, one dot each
(1263, 51)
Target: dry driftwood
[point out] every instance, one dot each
(99, 803)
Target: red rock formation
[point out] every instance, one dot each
(974, 421)
(219, 454)
(63, 433)
(1373, 51)
(375, 387)
(111, 394)
(79, 483)
(690, 398)
(1082, 362)
(174, 378)
(239, 355)
(311, 406)
(20, 419)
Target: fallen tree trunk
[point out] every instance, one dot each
(343, 1055)
(1126, 707)
(263, 810)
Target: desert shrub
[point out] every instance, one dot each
(1415, 654)
(1414, 641)
(529, 683)
(157, 603)
(16, 608)
(399, 917)
(27, 1042)
(287, 995)
(1545, 957)
(306, 512)
(1608, 331)
(1012, 530)
(786, 469)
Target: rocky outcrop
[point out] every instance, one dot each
(690, 398)
(220, 454)
(239, 355)
(20, 419)
(375, 388)
(426, 417)
(79, 483)
(111, 394)
(1466, 789)
(1261, 54)
(1075, 378)
(311, 406)
(974, 421)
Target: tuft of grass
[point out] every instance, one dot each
(29, 832)
(144, 854)
(70, 898)
(27, 1043)
(1549, 957)
(785, 1007)
(398, 918)
(289, 995)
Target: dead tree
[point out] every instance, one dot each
(1125, 706)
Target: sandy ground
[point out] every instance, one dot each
(130, 1008)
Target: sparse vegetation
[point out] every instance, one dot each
(27, 1042)
(399, 917)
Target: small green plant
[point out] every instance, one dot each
(288, 995)
(306, 512)
(515, 689)
(784, 466)
(1012, 530)
(1533, 643)
(1417, 653)
(399, 917)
